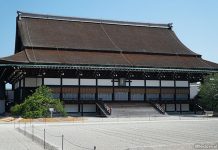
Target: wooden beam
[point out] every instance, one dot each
(174, 79)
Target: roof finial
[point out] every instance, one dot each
(19, 14)
(170, 25)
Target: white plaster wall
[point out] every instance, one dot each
(170, 107)
(2, 106)
(167, 83)
(52, 81)
(194, 89)
(116, 83)
(89, 108)
(105, 82)
(30, 82)
(181, 83)
(137, 83)
(39, 82)
(87, 81)
(71, 108)
(68, 81)
(152, 83)
(33, 82)
(185, 107)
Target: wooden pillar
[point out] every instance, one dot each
(113, 94)
(165, 105)
(20, 92)
(43, 80)
(79, 102)
(129, 90)
(145, 90)
(160, 95)
(174, 91)
(82, 109)
(13, 88)
(97, 110)
(189, 91)
(24, 89)
(61, 88)
(96, 87)
(2, 91)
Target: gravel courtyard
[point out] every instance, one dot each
(12, 140)
(132, 135)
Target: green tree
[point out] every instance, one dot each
(37, 105)
(209, 93)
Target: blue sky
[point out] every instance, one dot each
(195, 21)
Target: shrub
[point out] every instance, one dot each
(37, 105)
(209, 93)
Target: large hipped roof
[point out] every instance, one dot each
(46, 31)
(54, 40)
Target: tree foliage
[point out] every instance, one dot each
(209, 93)
(37, 105)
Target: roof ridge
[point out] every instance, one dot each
(91, 20)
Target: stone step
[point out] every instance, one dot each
(132, 110)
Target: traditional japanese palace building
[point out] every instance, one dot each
(90, 64)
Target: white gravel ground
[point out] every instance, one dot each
(12, 140)
(135, 134)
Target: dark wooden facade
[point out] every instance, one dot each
(172, 92)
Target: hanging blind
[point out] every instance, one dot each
(137, 90)
(88, 90)
(121, 89)
(153, 90)
(182, 91)
(105, 90)
(70, 89)
(167, 90)
(55, 89)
